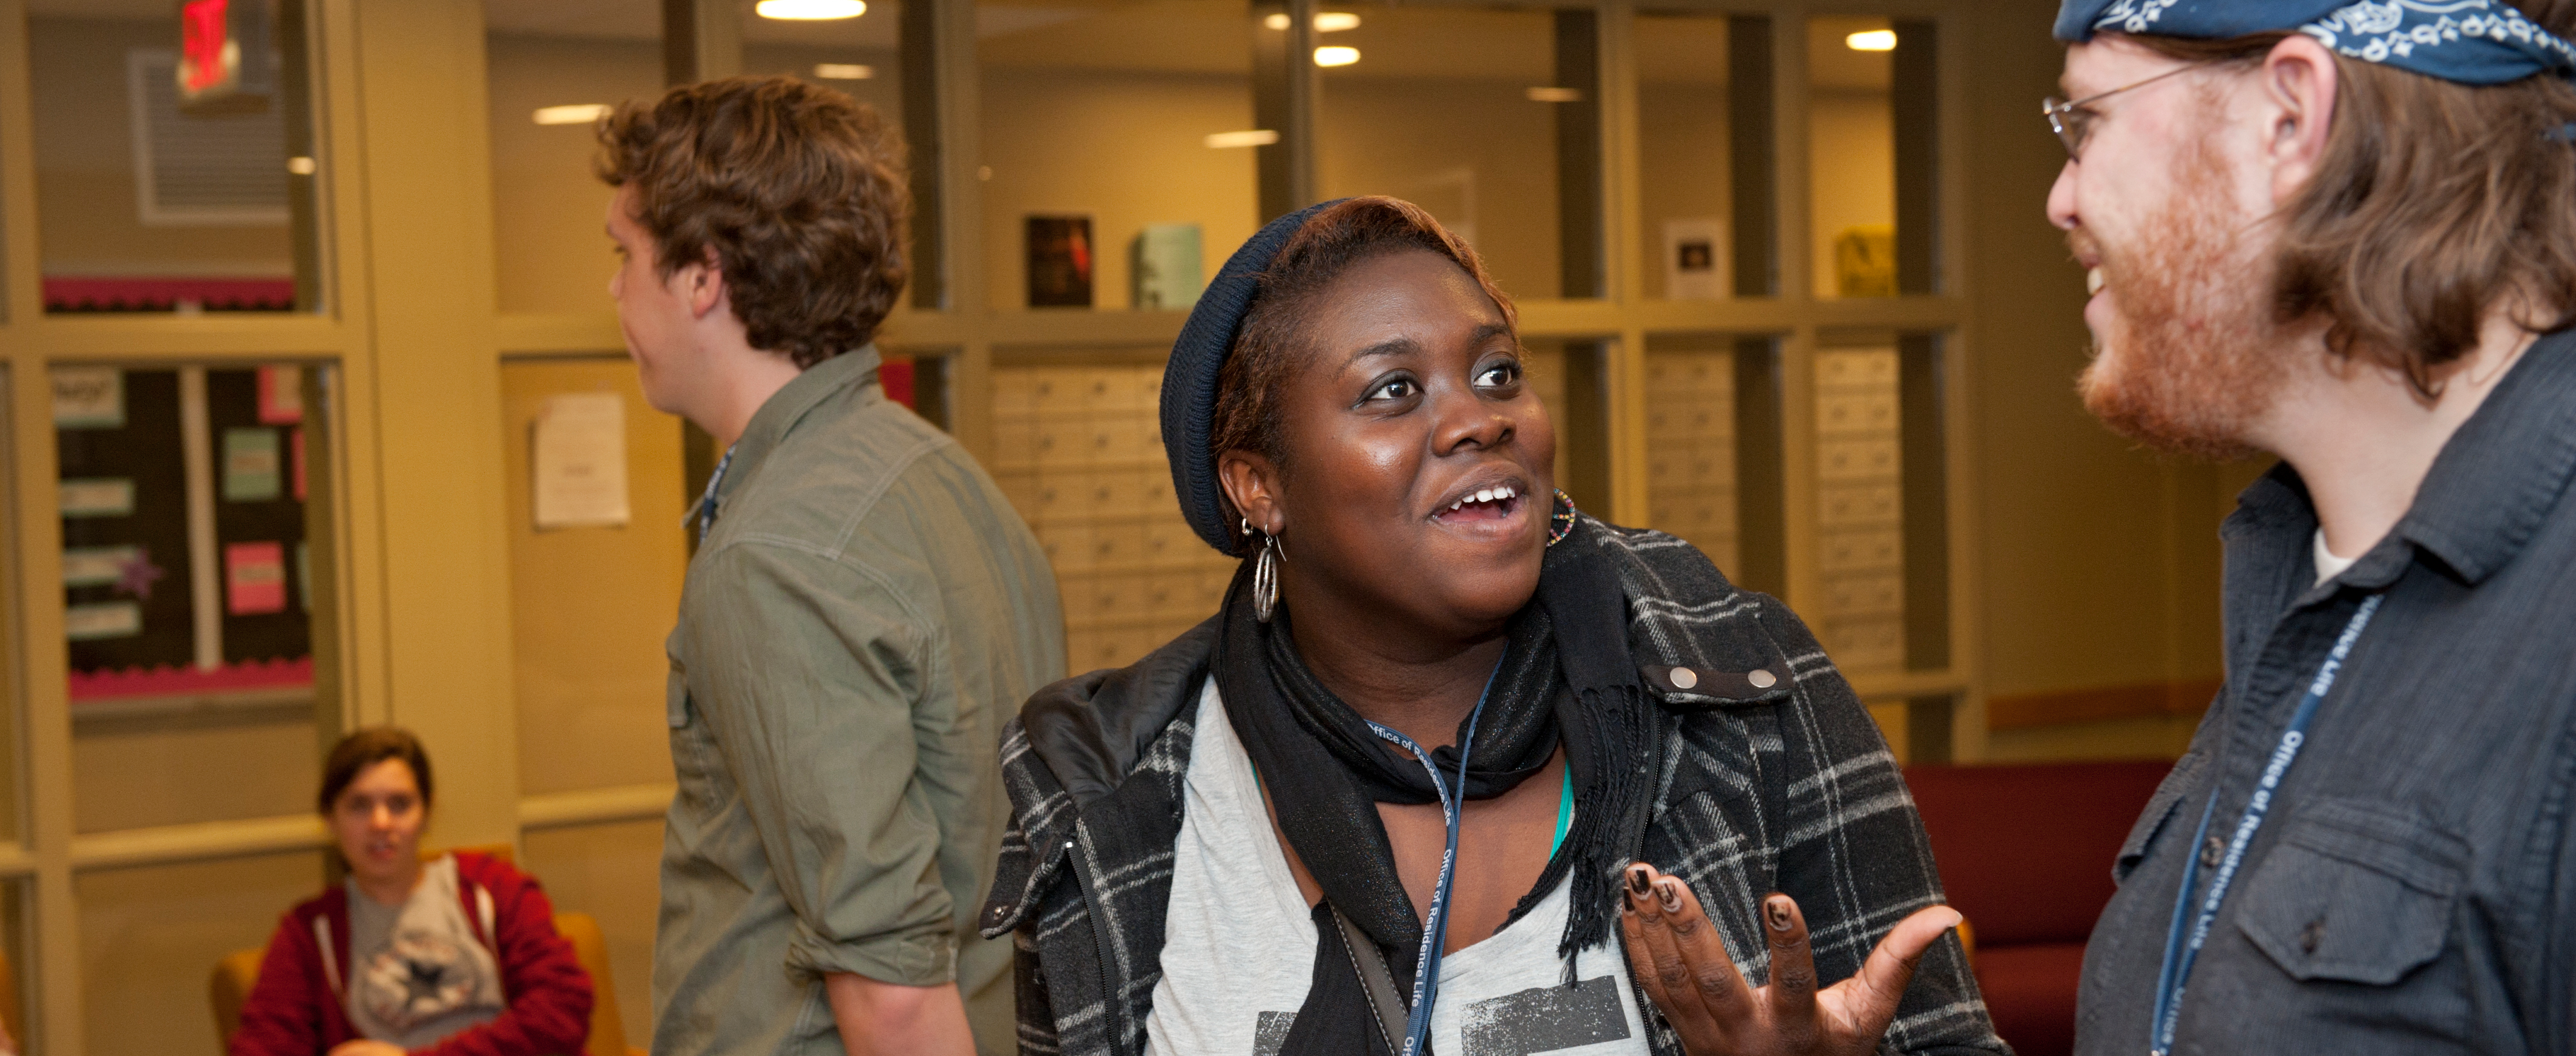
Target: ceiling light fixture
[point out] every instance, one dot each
(1336, 55)
(1325, 21)
(1872, 40)
(300, 165)
(1556, 95)
(1258, 137)
(810, 10)
(843, 71)
(574, 114)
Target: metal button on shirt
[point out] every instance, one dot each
(2212, 850)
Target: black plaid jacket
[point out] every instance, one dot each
(1790, 791)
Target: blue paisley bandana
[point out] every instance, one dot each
(2467, 41)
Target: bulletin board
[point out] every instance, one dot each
(167, 475)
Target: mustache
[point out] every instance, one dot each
(2080, 244)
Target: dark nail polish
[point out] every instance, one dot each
(1778, 912)
(1669, 892)
(1637, 880)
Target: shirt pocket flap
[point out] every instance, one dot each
(2357, 891)
(2160, 808)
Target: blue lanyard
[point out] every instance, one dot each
(2182, 950)
(1435, 930)
(707, 502)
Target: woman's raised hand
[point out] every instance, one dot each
(1677, 954)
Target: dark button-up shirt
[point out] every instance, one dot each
(2412, 890)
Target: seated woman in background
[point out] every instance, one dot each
(456, 956)
(1454, 764)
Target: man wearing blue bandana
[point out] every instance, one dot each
(2344, 234)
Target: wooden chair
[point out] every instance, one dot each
(239, 971)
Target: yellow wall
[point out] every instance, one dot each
(2098, 563)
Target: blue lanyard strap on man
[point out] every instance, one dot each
(2182, 949)
(707, 502)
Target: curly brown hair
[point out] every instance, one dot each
(798, 191)
(2433, 203)
(1270, 346)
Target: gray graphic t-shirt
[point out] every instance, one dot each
(416, 972)
(1239, 946)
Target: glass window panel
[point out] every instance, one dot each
(547, 207)
(168, 184)
(1687, 199)
(151, 936)
(590, 603)
(1080, 455)
(1119, 149)
(1851, 157)
(1567, 376)
(1690, 444)
(1881, 493)
(1486, 117)
(188, 555)
(612, 872)
(1871, 156)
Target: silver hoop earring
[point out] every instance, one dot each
(1265, 579)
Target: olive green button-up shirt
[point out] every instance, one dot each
(864, 615)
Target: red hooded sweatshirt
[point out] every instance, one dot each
(299, 1007)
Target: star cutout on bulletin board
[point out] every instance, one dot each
(134, 575)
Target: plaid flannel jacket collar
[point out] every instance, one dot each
(1795, 792)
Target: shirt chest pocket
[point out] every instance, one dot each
(2357, 891)
(2159, 813)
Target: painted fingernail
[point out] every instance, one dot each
(1777, 911)
(1669, 892)
(1637, 880)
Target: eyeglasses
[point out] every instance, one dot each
(2074, 124)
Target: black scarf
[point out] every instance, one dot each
(1566, 677)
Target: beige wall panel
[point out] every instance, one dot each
(150, 938)
(2081, 538)
(613, 873)
(589, 606)
(85, 163)
(437, 401)
(180, 775)
(1127, 149)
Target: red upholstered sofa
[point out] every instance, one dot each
(2025, 852)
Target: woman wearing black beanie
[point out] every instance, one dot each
(1456, 768)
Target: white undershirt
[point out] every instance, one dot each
(1239, 943)
(2328, 565)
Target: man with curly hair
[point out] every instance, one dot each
(2344, 233)
(863, 612)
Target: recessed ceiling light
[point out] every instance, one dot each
(1556, 95)
(1258, 137)
(843, 71)
(575, 114)
(810, 10)
(1872, 40)
(1325, 21)
(1336, 55)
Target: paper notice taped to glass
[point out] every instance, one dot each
(580, 462)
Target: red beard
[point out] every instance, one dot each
(2190, 359)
